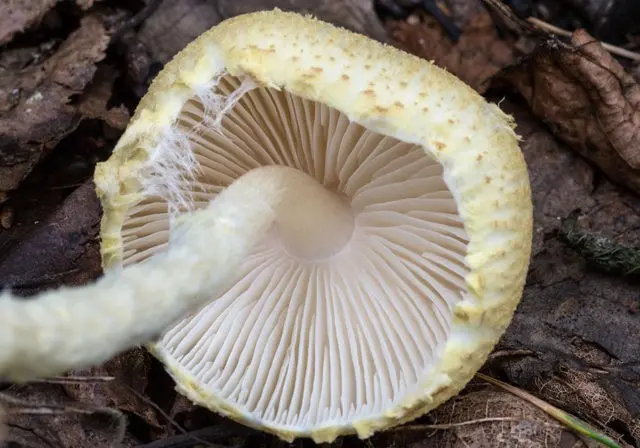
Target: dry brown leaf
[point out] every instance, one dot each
(18, 15)
(34, 100)
(475, 58)
(588, 100)
(131, 370)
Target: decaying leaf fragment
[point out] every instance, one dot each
(588, 100)
(35, 109)
(15, 16)
(475, 58)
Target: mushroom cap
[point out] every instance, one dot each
(431, 169)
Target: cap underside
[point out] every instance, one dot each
(311, 344)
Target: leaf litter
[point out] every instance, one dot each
(545, 360)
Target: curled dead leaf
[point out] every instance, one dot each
(588, 100)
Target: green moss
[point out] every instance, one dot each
(600, 252)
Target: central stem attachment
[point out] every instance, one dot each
(311, 222)
(316, 223)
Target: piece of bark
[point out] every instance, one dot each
(174, 24)
(18, 15)
(475, 58)
(35, 100)
(587, 99)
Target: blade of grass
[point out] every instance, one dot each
(563, 417)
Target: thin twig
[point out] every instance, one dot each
(468, 422)
(533, 25)
(562, 32)
(74, 379)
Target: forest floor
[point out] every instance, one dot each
(72, 73)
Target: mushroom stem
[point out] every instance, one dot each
(76, 327)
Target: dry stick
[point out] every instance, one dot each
(562, 32)
(74, 379)
(470, 422)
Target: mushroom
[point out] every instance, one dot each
(331, 234)
(381, 287)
